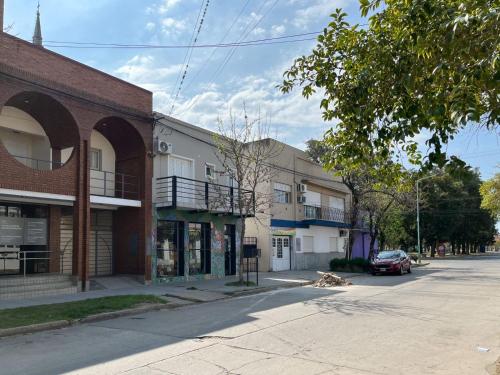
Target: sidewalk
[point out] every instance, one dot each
(181, 293)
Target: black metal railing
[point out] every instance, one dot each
(325, 213)
(116, 185)
(181, 192)
(38, 164)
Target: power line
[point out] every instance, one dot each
(92, 45)
(245, 34)
(189, 47)
(190, 53)
(220, 43)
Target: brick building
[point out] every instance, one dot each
(75, 169)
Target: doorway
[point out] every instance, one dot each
(281, 253)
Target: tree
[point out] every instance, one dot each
(244, 149)
(451, 212)
(490, 192)
(430, 65)
(373, 193)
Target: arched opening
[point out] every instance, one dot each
(117, 170)
(116, 157)
(38, 131)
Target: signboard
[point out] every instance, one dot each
(283, 232)
(16, 231)
(35, 231)
(11, 231)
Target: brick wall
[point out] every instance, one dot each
(48, 65)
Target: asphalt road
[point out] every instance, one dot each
(429, 322)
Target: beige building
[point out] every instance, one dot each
(306, 224)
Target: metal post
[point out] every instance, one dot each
(206, 195)
(418, 228)
(105, 178)
(248, 279)
(123, 186)
(257, 270)
(24, 263)
(174, 192)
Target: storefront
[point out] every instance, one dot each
(194, 246)
(24, 240)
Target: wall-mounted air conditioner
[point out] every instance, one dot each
(301, 188)
(163, 147)
(301, 199)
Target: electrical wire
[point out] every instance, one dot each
(253, 42)
(190, 53)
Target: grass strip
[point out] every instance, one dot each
(24, 316)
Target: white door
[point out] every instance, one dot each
(182, 168)
(281, 253)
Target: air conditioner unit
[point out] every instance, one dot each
(301, 199)
(301, 188)
(163, 147)
(342, 233)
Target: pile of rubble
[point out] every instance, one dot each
(328, 279)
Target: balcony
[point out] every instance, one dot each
(326, 214)
(114, 185)
(39, 165)
(185, 193)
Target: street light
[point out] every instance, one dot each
(418, 217)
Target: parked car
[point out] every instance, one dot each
(394, 261)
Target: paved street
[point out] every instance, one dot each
(429, 322)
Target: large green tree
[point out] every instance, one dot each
(490, 191)
(428, 65)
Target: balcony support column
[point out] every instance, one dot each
(81, 219)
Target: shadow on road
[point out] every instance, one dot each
(82, 347)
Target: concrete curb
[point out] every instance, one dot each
(264, 289)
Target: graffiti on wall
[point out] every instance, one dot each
(217, 255)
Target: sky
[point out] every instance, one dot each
(218, 79)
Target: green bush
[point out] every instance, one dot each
(349, 265)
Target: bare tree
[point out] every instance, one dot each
(246, 152)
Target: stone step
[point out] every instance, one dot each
(39, 293)
(10, 289)
(6, 281)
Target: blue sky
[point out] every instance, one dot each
(212, 87)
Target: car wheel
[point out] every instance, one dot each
(374, 273)
(409, 269)
(401, 270)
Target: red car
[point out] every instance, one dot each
(395, 261)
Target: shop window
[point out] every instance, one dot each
(170, 260)
(199, 248)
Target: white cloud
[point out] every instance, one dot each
(171, 25)
(277, 30)
(259, 31)
(312, 10)
(167, 5)
(150, 26)
(143, 71)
